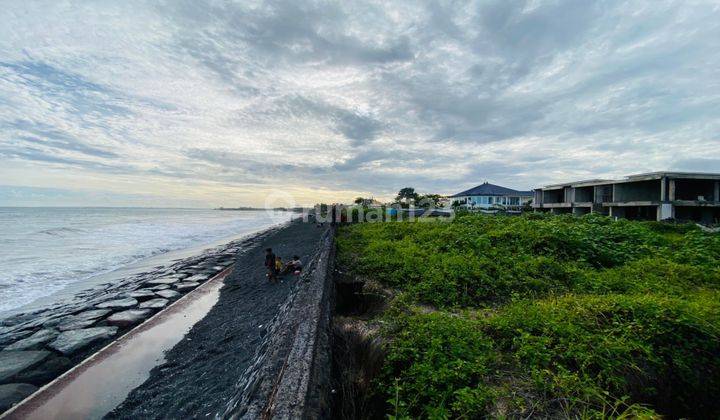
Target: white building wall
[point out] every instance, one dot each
(486, 202)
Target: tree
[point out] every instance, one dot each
(407, 193)
(359, 200)
(428, 200)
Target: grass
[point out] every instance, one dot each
(544, 315)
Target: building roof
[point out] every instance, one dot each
(687, 175)
(491, 189)
(583, 183)
(635, 178)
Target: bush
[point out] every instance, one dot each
(545, 315)
(650, 275)
(435, 365)
(480, 260)
(662, 351)
(595, 353)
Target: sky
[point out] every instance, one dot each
(217, 103)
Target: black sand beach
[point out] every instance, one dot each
(201, 372)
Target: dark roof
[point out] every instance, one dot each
(491, 189)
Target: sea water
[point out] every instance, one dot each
(44, 251)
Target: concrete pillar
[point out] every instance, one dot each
(665, 211)
(663, 189)
(671, 189)
(717, 191)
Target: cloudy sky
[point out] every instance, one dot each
(190, 103)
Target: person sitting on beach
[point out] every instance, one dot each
(295, 266)
(278, 265)
(270, 264)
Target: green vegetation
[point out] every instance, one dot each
(544, 315)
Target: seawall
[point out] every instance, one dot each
(290, 378)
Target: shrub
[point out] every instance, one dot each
(650, 275)
(484, 260)
(595, 353)
(435, 365)
(545, 315)
(654, 350)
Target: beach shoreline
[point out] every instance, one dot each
(40, 345)
(147, 264)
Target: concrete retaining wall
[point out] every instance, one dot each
(290, 378)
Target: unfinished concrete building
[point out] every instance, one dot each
(650, 196)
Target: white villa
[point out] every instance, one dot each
(489, 196)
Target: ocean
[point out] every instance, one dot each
(47, 251)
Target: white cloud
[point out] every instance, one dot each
(188, 100)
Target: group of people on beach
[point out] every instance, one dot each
(276, 268)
